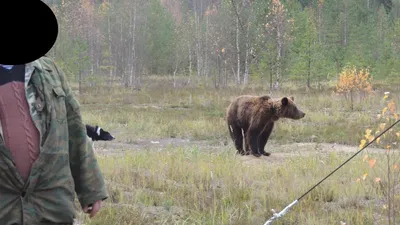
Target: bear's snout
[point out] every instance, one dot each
(300, 115)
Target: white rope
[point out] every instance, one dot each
(281, 213)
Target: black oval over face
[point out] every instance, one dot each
(31, 30)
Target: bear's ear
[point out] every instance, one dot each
(285, 101)
(291, 98)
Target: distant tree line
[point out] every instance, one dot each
(225, 41)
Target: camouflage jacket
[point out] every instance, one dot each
(66, 164)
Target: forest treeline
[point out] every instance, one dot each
(225, 41)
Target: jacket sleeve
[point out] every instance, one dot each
(89, 181)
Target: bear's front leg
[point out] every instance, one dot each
(247, 147)
(263, 138)
(252, 140)
(237, 137)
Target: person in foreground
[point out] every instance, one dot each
(45, 155)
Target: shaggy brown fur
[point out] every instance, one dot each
(252, 118)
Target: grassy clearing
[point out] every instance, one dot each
(183, 185)
(199, 113)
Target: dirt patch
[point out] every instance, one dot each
(273, 158)
(279, 151)
(114, 147)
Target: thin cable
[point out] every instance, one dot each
(286, 209)
(349, 159)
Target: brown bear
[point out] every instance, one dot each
(252, 118)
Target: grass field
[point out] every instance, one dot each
(174, 163)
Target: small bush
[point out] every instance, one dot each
(352, 81)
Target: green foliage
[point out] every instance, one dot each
(305, 47)
(160, 34)
(325, 37)
(75, 60)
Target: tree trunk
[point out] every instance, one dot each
(129, 78)
(121, 56)
(92, 57)
(198, 42)
(80, 81)
(278, 58)
(246, 65)
(309, 64)
(90, 40)
(110, 50)
(98, 55)
(345, 24)
(206, 51)
(225, 74)
(218, 75)
(270, 79)
(351, 100)
(133, 53)
(320, 23)
(174, 75)
(190, 61)
(237, 52)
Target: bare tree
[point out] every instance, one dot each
(276, 26)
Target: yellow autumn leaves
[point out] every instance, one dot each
(387, 140)
(351, 80)
(371, 162)
(368, 137)
(389, 110)
(387, 115)
(363, 177)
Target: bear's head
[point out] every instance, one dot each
(286, 108)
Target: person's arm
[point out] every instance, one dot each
(89, 182)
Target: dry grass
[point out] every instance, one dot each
(190, 185)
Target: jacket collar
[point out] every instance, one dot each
(32, 66)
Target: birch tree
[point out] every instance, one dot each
(277, 26)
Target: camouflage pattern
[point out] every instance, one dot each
(66, 164)
(30, 93)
